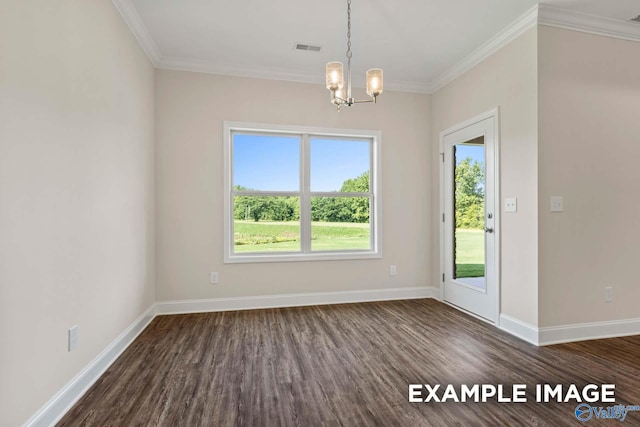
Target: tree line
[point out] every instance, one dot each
(469, 194)
(325, 209)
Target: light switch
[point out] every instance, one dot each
(557, 204)
(511, 205)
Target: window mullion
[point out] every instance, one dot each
(265, 193)
(339, 194)
(305, 197)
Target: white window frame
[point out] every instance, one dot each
(305, 193)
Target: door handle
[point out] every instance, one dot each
(488, 230)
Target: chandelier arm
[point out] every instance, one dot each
(363, 101)
(341, 100)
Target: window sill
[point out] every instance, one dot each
(291, 257)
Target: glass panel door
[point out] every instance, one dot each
(469, 217)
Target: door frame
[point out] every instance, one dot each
(495, 114)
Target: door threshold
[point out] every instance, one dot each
(490, 322)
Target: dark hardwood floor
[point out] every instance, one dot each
(343, 365)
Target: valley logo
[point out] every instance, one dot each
(584, 412)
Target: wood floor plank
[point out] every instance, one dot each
(343, 365)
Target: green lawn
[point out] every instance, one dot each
(267, 236)
(469, 253)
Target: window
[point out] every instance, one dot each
(299, 194)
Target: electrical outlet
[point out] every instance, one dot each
(608, 294)
(73, 337)
(557, 204)
(393, 270)
(213, 277)
(511, 205)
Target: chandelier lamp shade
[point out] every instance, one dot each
(341, 95)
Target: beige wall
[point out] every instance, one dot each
(589, 153)
(76, 192)
(191, 108)
(508, 80)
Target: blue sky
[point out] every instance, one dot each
(271, 163)
(476, 152)
(335, 161)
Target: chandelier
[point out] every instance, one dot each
(335, 77)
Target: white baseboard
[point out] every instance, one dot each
(569, 333)
(588, 331)
(59, 404)
(293, 300)
(519, 329)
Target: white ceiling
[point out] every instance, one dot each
(416, 42)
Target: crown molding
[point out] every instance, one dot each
(130, 15)
(599, 25)
(407, 86)
(208, 67)
(504, 37)
(541, 14)
(139, 29)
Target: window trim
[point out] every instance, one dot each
(375, 218)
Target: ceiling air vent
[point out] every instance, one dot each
(309, 47)
(636, 19)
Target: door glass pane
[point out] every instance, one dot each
(266, 224)
(266, 162)
(340, 223)
(469, 236)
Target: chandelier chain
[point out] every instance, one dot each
(349, 54)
